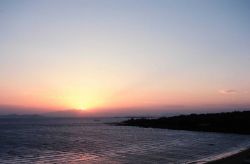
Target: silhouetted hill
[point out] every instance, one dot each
(231, 122)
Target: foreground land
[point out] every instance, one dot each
(239, 158)
(231, 122)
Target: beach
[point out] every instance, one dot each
(242, 157)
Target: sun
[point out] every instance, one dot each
(80, 106)
(79, 101)
(83, 108)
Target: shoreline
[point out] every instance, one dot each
(230, 122)
(241, 157)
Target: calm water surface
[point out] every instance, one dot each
(92, 141)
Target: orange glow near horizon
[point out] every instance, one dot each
(95, 97)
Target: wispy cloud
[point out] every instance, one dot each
(228, 91)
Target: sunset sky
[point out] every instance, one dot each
(124, 55)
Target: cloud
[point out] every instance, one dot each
(228, 91)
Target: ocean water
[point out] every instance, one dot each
(78, 140)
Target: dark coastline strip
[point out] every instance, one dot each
(230, 122)
(242, 157)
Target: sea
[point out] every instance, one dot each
(94, 140)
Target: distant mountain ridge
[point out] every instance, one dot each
(21, 116)
(62, 113)
(68, 113)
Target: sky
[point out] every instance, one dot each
(124, 55)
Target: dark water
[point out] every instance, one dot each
(92, 141)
